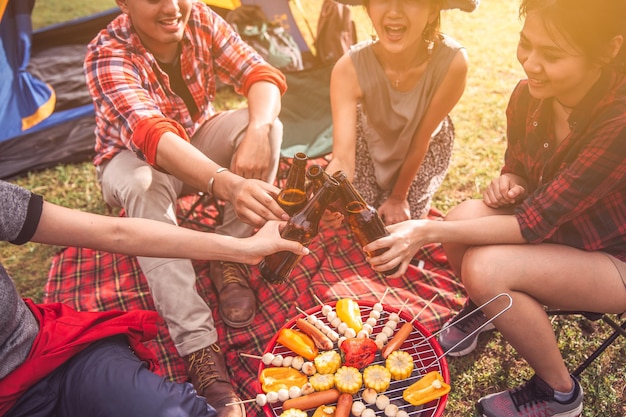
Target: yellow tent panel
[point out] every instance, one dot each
(224, 4)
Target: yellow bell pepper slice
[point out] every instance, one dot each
(298, 342)
(426, 389)
(349, 312)
(275, 378)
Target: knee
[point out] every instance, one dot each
(468, 209)
(141, 181)
(148, 184)
(480, 273)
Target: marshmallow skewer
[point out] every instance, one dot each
(425, 307)
(246, 355)
(241, 402)
(318, 299)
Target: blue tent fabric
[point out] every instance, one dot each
(46, 114)
(27, 99)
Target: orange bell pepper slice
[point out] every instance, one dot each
(275, 378)
(298, 342)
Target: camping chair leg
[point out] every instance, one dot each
(619, 331)
(189, 216)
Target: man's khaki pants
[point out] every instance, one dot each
(148, 193)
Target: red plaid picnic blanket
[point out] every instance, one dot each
(91, 280)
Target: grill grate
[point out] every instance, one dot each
(426, 352)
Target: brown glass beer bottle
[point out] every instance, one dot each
(301, 227)
(363, 219)
(292, 198)
(316, 176)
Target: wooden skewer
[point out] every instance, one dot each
(402, 306)
(240, 402)
(246, 355)
(302, 311)
(318, 299)
(425, 307)
(385, 293)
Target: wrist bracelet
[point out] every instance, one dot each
(212, 180)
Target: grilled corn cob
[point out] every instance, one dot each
(400, 364)
(348, 379)
(377, 377)
(328, 362)
(322, 382)
(293, 412)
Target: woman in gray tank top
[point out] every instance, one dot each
(390, 99)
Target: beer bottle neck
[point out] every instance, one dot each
(348, 194)
(314, 209)
(316, 174)
(297, 174)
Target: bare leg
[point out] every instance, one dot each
(535, 276)
(469, 209)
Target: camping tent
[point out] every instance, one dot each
(47, 115)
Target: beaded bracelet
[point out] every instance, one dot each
(212, 180)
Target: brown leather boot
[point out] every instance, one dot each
(207, 370)
(237, 303)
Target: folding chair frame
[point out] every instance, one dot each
(618, 330)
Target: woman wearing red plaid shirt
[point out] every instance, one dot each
(152, 74)
(551, 230)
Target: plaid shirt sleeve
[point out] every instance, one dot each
(121, 83)
(582, 203)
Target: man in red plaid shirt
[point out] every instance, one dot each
(152, 75)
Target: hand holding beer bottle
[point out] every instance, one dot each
(363, 219)
(301, 227)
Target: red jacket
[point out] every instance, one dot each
(64, 332)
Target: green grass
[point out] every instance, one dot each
(50, 12)
(490, 36)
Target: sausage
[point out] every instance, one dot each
(344, 405)
(322, 341)
(397, 340)
(312, 400)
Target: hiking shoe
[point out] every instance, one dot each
(237, 303)
(533, 399)
(207, 371)
(455, 339)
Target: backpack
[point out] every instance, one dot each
(272, 41)
(336, 32)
